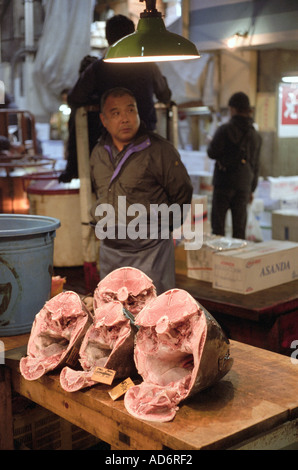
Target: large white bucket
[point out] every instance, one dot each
(61, 200)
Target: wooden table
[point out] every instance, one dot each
(254, 406)
(267, 319)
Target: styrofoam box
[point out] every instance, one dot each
(285, 225)
(196, 199)
(255, 267)
(199, 263)
(199, 199)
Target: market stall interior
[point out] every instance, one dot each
(108, 364)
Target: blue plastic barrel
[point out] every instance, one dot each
(26, 269)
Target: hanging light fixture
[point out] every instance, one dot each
(151, 42)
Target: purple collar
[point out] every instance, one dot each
(132, 148)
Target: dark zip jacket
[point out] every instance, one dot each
(236, 148)
(147, 171)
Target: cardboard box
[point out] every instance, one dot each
(255, 267)
(200, 262)
(285, 225)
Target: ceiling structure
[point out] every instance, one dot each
(268, 23)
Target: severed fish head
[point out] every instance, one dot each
(128, 285)
(180, 349)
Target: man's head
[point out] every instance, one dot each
(4, 143)
(119, 115)
(239, 102)
(117, 27)
(86, 61)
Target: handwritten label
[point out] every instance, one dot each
(121, 388)
(105, 376)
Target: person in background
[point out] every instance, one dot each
(10, 104)
(71, 170)
(144, 80)
(146, 169)
(9, 149)
(236, 148)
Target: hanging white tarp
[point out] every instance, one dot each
(65, 41)
(185, 78)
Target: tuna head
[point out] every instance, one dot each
(108, 343)
(180, 350)
(130, 286)
(57, 331)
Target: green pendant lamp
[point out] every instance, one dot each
(151, 42)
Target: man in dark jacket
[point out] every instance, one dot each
(236, 148)
(134, 171)
(144, 80)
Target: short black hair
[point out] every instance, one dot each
(4, 143)
(117, 91)
(240, 102)
(86, 61)
(117, 27)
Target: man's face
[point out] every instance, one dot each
(121, 119)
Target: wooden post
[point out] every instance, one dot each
(89, 243)
(6, 427)
(88, 238)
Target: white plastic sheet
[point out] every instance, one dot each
(65, 41)
(186, 78)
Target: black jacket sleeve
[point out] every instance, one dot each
(87, 88)
(160, 85)
(216, 147)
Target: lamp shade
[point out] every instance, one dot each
(151, 42)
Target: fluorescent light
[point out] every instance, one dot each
(290, 78)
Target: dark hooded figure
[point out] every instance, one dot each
(236, 148)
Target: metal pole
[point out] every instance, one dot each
(29, 23)
(29, 48)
